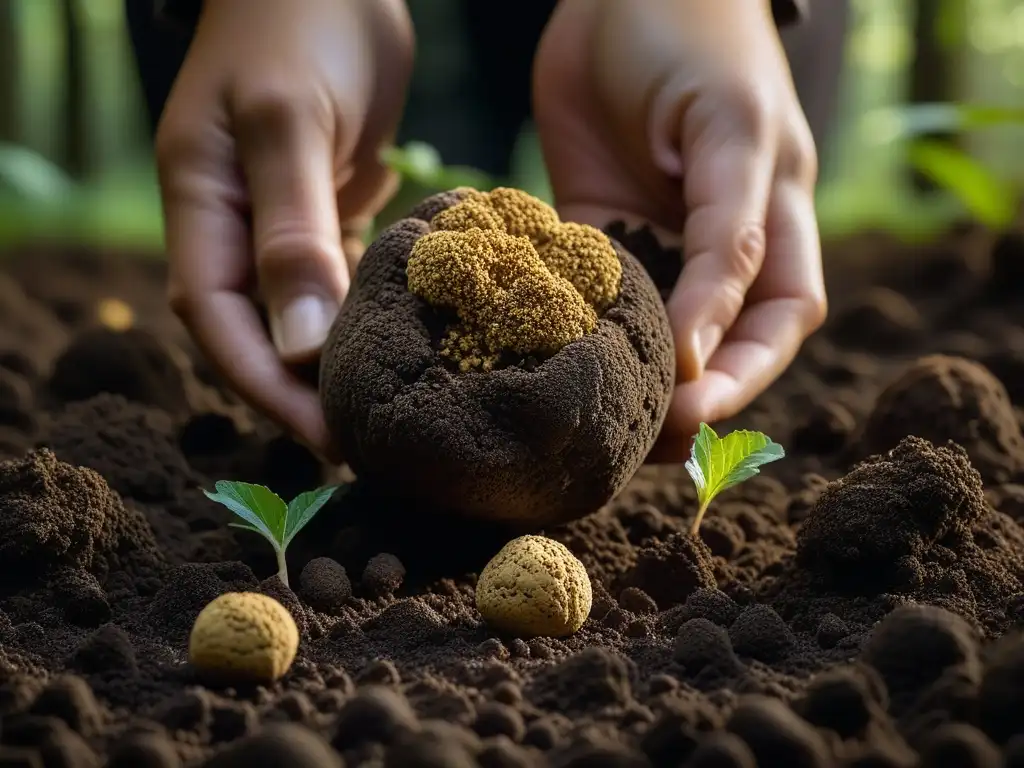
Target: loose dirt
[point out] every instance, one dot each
(857, 604)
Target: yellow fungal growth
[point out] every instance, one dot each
(115, 314)
(520, 280)
(578, 252)
(534, 587)
(526, 216)
(243, 637)
(472, 212)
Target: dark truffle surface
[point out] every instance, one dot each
(526, 445)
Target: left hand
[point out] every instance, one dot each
(682, 113)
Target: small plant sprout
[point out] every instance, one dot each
(267, 514)
(717, 463)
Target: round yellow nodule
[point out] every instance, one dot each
(243, 637)
(115, 314)
(534, 587)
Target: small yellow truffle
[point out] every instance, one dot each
(115, 314)
(534, 587)
(243, 637)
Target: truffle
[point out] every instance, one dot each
(325, 584)
(383, 575)
(534, 586)
(243, 637)
(525, 391)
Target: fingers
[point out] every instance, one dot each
(210, 274)
(786, 303)
(286, 146)
(727, 186)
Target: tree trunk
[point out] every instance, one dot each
(10, 73)
(76, 159)
(936, 63)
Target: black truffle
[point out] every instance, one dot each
(325, 584)
(383, 575)
(533, 442)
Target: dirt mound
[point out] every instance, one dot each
(56, 514)
(942, 398)
(856, 605)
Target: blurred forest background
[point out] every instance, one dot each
(76, 160)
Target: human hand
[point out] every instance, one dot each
(268, 162)
(682, 113)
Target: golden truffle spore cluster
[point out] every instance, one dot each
(519, 279)
(243, 637)
(534, 587)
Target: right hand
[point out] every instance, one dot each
(269, 170)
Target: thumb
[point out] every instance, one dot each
(287, 154)
(727, 190)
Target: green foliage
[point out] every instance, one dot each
(913, 120)
(987, 197)
(421, 164)
(267, 514)
(28, 175)
(718, 463)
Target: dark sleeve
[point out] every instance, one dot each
(790, 11)
(184, 12)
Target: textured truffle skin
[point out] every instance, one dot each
(243, 637)
(524, 446)
(534, 587)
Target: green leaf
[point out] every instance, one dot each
(31, 176)
(719, 463)
(303, 508)
(246, 527)
(912, 120)
(257, 505)
(419, 163)
(416, 160)
(987, 197)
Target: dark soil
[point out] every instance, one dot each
(857, 604)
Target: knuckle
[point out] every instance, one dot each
(731, 296)
(751, 109)
(172, 146)
(277, 110)
(284, 251)
(745, 253)
(799, 155)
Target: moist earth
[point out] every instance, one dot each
(857, 604)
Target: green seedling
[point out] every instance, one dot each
(267, 514)
(717, 463)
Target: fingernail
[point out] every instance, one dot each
(708, 339)
(300, 327)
